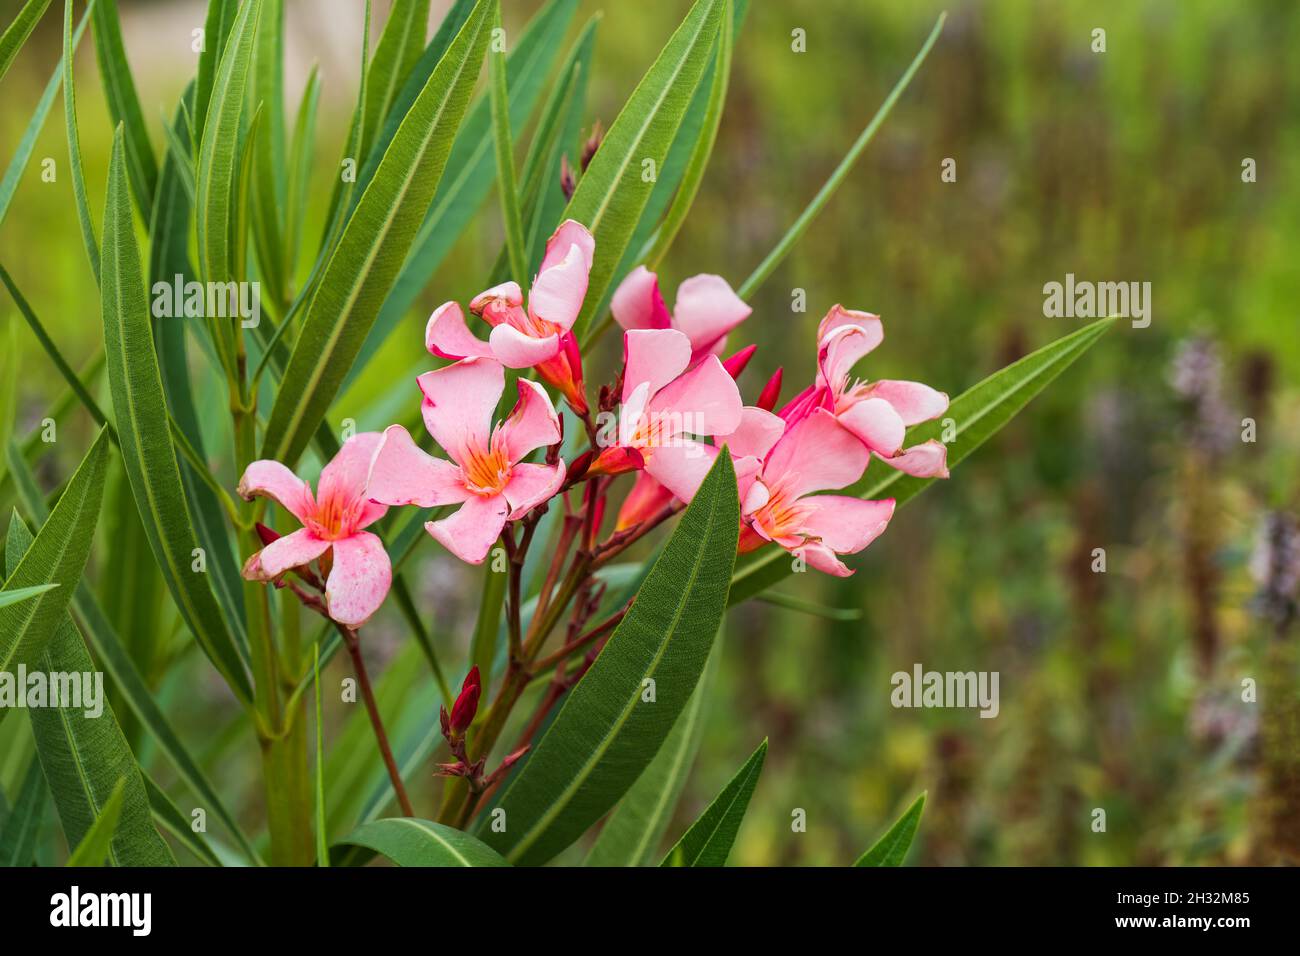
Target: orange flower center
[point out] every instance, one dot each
(487, 470)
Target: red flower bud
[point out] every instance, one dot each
(567, 183)
(266, 534)
(466, 706)
(593, 143)
(736, 364)
(771, 392)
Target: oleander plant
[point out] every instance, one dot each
(610, 472)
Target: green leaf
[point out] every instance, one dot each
(395, 56)
(977, 414)
(606, 734)
(483, 645)
(471, 167)
(891, 849)
(124, 103)
(58, 556)
(364, 266)
(8, 383)
(614, 190)
(22, 828)
(800, 225)
(85, 757)
(14, 171)
(506, 185)
(632, 834)
(18, 31)
(410, 842)
(216, 182)
(145, 435)
(300, 159)
(74, 143)
(94, 846)
(24, 594)
(167, 815)
(112, 654)
(322, 845)
(216, 31)
(709, 839)
(268, 185)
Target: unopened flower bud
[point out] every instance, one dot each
(567, 182)
(771, 392)
(466, 706)
(266, 534)
(736, 364)
(593, 143)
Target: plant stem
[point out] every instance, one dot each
(376, 722)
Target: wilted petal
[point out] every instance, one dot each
(460, 401)
(270, 479)
(876, 424)
(706, 398)
(638, 304)
(823, 559)
(471, 531)
(404, 474)
(913, 401)
(532, 424)
(926, 460)
(289, 551)
(498, 301)
(530, 485)
(823, 453)
(515, 349)
(706, 310)
(447, 336)
(359, 579)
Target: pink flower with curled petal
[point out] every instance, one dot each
(706, 310)
(878, 413)
(487, 475)
(538, 336)
(333, 520)
(664, 404)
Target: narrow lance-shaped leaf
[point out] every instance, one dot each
(8, 382)
(410, 842)
(322, 844)
(14, 171)
(709, 839)
(216, 30)
(83, 752)
(300, 159)
(376, 239)
(94, 846)
(58, 556)
(614, 190)
(891, 849)
(632, 834)
(396, 54)
(144, 432)
(506, 185)
(16, 34)
(24, 594)
(617, 717)
(74, 143)
(123, 103)
(975, 416)
(792, 235)
(268, 186)
(169, 817)
(21, 829)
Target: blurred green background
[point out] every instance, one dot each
(1119, 690)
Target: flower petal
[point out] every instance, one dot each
(496, 303)
(530, 485)
(843, 338)
(876, 424)
(706, 310)
(637, 303)
(460, 401)
(823, 559)
(270, 479)
(569, 233)
(515, 349)
(656, 356)
(926, 460)
(532, 424)
(681, 467)
(471, 531)
(757, 432)
(447, 336)
(706, 399)
(822, 453)
(404, 474)
(359, 579)
(913, 401)
(845, 524)
(288, 551)
(558, 291)
(345, 476)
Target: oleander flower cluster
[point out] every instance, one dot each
(651, 437)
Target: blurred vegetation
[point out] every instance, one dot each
(1121, 690)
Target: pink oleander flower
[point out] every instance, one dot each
(664, 404)
(878, 413)
(333, 521)
(780, 465)
(487, 475)
(707, 309)
(539, 336)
